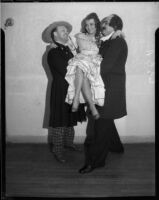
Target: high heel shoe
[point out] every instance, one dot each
(96, 116)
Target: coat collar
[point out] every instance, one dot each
(61, 45)
(105, 38)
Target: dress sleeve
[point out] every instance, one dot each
(81, 41)
(80, 36)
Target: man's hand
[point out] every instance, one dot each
(53, 45)
(118, 33)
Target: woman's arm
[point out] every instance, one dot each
(118, 33)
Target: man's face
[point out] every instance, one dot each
(105, 28)
(90, 26)
(61, 34)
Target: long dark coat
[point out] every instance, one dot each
(114, 53)
(60, 112)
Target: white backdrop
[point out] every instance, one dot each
(26, 80)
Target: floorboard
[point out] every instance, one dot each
(32, 171)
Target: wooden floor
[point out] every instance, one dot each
(32, 171)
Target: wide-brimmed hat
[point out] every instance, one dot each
(46, 35)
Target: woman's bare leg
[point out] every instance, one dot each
(86, 89)
(78, 85)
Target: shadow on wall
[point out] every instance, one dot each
(46, 67)
(48, 90)
(48, 94)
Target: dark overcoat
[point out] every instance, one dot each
(60, 112)
(114, 53)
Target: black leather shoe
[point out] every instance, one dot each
(60, 158)
(83, 168)
(73, 148)
(86, 169)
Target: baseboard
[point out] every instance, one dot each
(78, 139)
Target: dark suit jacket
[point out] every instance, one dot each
(60, 112)
(114, 53)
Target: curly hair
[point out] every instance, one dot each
(97, 24)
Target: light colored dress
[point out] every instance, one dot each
(88, 60)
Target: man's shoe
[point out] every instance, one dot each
(73, 148)
(86, 169)
(82, 169)
(60, 158)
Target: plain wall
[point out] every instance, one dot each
(27, 86)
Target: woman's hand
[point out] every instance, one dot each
(118, 33)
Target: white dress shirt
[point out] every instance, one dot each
(104, 38)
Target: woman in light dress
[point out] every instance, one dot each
(83, 71)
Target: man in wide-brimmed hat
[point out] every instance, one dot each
(62, 119)
(48, 32)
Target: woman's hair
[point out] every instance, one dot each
(97, 23)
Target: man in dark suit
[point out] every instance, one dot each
(104, 138)
(62, 119)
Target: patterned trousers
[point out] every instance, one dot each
(60, 137)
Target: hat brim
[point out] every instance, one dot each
(46, 35)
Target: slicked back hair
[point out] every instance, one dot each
(116, 22)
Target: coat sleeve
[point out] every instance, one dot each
(57, 62)
(111, 55)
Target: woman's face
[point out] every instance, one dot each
(90, 26)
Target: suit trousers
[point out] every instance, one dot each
(61, 137)
(102, 137)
